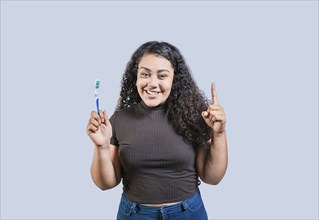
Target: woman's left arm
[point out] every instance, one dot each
(212, 163)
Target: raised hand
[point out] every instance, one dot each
(99, 129)
(214, 116)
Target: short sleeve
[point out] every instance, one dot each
(114, 140)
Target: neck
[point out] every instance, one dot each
(158, 107)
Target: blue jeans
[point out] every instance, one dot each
(189, 209)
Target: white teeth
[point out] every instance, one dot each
(151, 93)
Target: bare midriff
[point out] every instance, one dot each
(160, 205)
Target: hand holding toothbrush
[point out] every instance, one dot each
(99, 127)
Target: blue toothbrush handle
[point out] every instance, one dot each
(97, 105)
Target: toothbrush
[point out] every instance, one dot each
(97, 86)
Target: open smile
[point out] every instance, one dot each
(152, 93)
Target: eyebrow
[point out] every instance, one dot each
(158, 71)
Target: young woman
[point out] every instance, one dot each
(163, 137)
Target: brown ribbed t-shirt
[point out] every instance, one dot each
(158, 166)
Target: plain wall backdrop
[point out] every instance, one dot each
(263, 56)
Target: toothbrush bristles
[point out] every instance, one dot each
(97, 84)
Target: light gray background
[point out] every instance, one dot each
(263, 56)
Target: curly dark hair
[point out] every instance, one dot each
(185, 102)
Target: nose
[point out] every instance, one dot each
(153, 81)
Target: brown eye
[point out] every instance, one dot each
(162, 76)
(144, 74)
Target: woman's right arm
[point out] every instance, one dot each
(106, 168)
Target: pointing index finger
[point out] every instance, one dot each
(214, 95)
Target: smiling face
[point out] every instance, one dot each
(154, 82)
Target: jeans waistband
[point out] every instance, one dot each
(131, 206)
